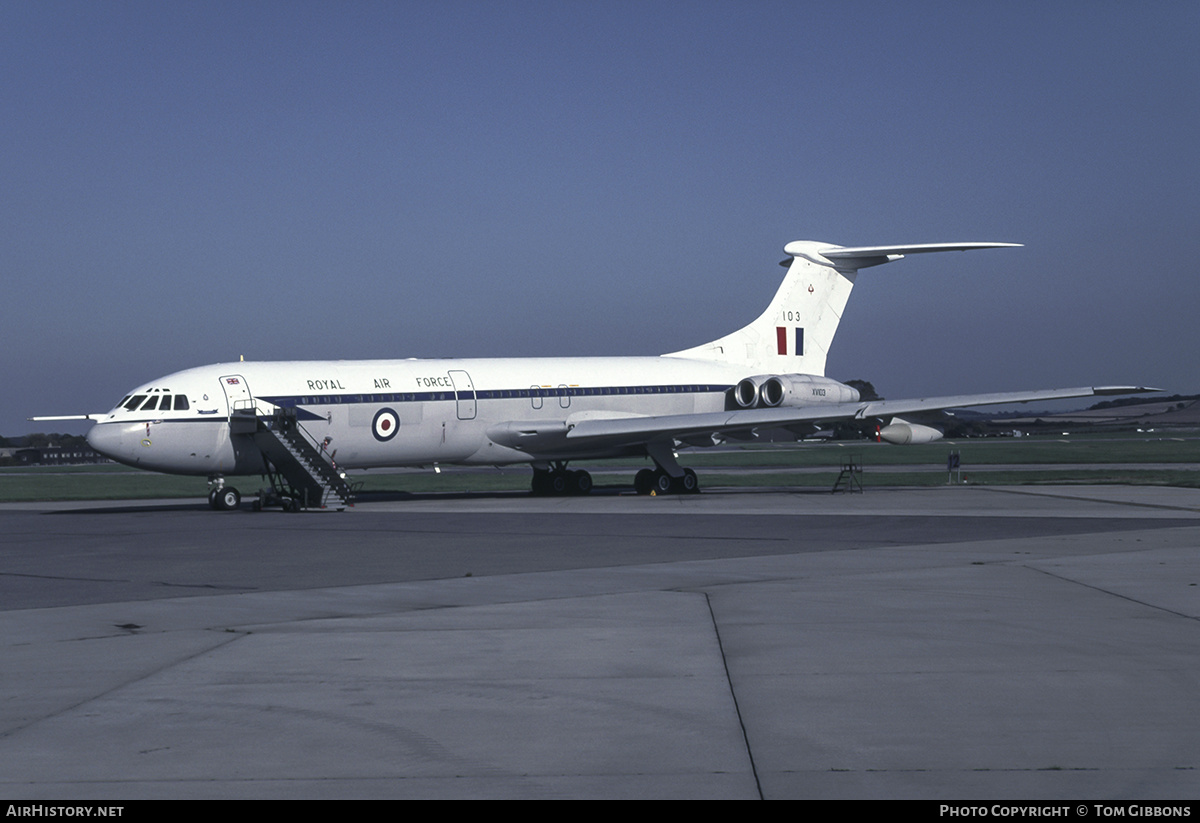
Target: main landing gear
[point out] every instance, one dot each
(667, 476)
(658, 482)
(560, 481)
(223, 498)
(555, 480)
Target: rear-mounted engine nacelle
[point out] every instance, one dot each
(770, 391)
(745, 393)
(903, 433)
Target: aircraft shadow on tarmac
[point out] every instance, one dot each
(135, 506)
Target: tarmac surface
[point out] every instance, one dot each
(958, 642)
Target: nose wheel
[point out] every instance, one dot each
(224, 498)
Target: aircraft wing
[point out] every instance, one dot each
(884, 408)
(639, 430)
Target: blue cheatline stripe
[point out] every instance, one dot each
(291, 401)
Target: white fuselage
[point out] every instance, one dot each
(377, 413)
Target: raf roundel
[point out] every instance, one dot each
(385, 425)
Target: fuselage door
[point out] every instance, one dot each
(237, 392)
(464, 392)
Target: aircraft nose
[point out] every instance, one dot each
(106, 439)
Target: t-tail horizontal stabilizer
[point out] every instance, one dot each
(794, 334)
(861, 257)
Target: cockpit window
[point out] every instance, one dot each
(135, 401)
(151, 404)
(181, 403)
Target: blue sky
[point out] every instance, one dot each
(187, 183)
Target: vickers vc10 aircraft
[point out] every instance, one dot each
(302, 424)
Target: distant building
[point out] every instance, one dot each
(52, 455)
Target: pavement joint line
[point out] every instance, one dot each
(1125, 597)
(733, 695)
(61, 710)
(1132, 503)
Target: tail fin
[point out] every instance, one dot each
(795, 332)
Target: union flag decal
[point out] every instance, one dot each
(781, 340)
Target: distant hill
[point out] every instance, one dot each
(1176, 411)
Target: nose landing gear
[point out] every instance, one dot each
(221, 497)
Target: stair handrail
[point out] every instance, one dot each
(284, 416)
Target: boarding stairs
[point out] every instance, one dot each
(301, 471)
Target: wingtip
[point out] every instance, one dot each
(1124, 390)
